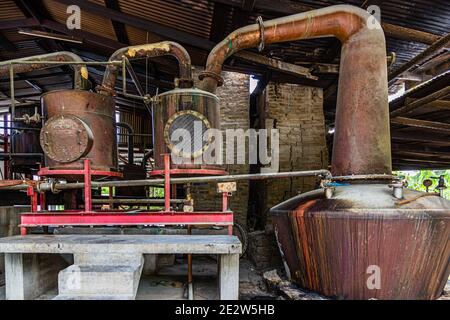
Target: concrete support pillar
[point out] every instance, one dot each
(30, 275)
(229, 276)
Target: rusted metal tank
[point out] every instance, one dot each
(79, 124)
(25, 148)
(193, 110)
(336, 246)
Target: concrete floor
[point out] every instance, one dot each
(170, 282)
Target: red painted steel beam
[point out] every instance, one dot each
(114, 218)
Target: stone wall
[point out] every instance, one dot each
(234, 102)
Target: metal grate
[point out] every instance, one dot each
(190, 142)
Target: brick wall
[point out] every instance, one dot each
(297, 112)
(234, 102)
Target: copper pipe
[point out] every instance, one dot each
(149, 50)
(362, 136)
(81, 73)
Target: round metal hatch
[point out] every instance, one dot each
(66, 138)
(192, 143)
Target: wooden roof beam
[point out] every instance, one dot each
(119, 27)
(432, 49)
(276, 64)
(423, 124)
(411, 105)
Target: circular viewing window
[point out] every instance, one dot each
(190, 141)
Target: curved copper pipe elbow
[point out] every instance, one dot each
(81, 72)
(149, 50)
(362, 135)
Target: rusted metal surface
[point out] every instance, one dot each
(329, 244)
(66, 138)
(149, 50)
(362, 126)
(97, 112)
(81, 73)
(180, 101)
(26, 141)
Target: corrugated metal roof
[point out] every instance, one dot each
(9, 11)
(193, 16)
(98, 25)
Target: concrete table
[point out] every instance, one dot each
(31, 266)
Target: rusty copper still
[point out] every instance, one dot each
(81, 124)
(184, 109)
(78, 125)
(334, 239)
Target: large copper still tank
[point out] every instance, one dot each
(334, 245)
(79, 125)
(181, 109)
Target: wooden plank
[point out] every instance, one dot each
(424, 124)
(434, 47)
(276, 64)
(427, 138)
(408, 34)
(412, 105)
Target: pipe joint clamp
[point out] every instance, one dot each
(260, 22)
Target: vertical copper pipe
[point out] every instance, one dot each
(149, 50)
(81, 73)
(362, 136)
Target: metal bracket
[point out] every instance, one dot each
(260, 22)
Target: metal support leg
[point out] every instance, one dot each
(33, 197)
(167, 194)
(87, 186)
(110, 196)
(190, 278)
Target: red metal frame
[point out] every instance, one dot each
(91, 217)
(101, 218)
(55, 172)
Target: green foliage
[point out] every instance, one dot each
(156, 192)
(415, 179)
